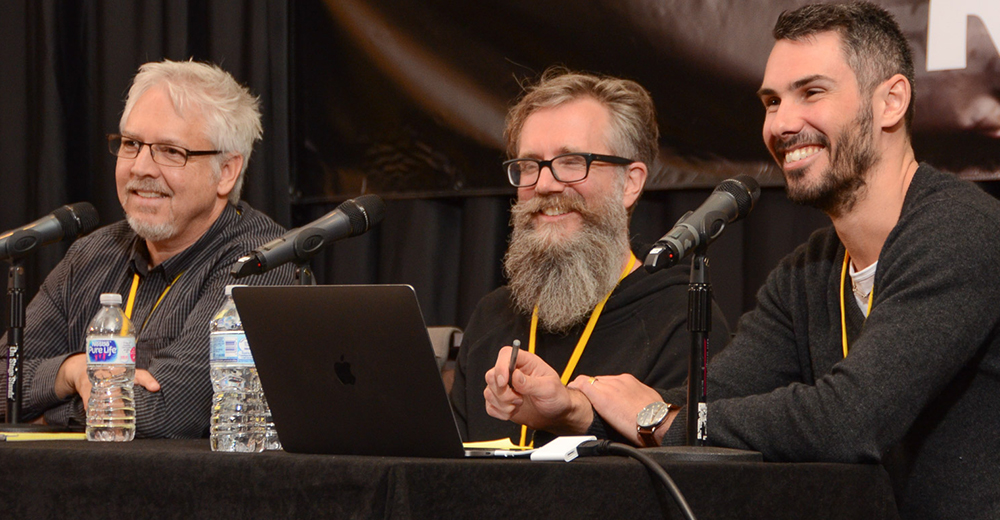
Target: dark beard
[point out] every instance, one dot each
(566, 276)
(844, 182)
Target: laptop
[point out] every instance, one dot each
(349, 370)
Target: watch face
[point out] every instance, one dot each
(653, 414)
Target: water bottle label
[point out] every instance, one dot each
(117, 351)
(231, 348)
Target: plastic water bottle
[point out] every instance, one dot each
(111, 369)
(271, 440)
(237, 410)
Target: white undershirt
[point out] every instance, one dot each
(861, 284)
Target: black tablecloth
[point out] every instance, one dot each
(185, 479)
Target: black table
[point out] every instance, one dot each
(185, 479)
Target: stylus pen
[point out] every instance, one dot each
(515, 348)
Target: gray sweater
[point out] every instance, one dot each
(920, 389)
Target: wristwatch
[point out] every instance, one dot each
(649, 419)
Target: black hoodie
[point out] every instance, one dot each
(642, 331)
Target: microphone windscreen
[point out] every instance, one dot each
(745, 189)
(355, 216)
(76, 219)
(87, 215)
(373, 209)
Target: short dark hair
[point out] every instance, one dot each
(873, 43)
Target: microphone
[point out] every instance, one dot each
(351, 218)
(732, 200)
(69, 221)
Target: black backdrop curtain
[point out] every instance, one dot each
(64, 68)
(64, 71)
(449, 249)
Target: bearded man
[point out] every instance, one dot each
(581, 147)
(878, 340)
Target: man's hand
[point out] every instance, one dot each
(538, 398)
(72, 379)
(146, 380)
(619, 399)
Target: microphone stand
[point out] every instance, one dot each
(15, 340)
(303, 274)
(699, 324)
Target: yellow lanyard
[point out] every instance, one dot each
(584, 338)
(131, 300)
(843, 309)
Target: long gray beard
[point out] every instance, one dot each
(566, 276)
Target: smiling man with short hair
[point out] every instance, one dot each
(185, 140)
(878, 340)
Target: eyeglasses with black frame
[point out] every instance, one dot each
(163, 154)
(568, 168)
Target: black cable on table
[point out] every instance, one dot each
(606, 447)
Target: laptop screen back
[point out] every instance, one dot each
(349, 370)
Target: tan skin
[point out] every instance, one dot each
(808, 86)
(190, 197)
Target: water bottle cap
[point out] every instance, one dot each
(111, 299)
(229, 288)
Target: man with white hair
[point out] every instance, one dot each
(185, 139)
(581, 145)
